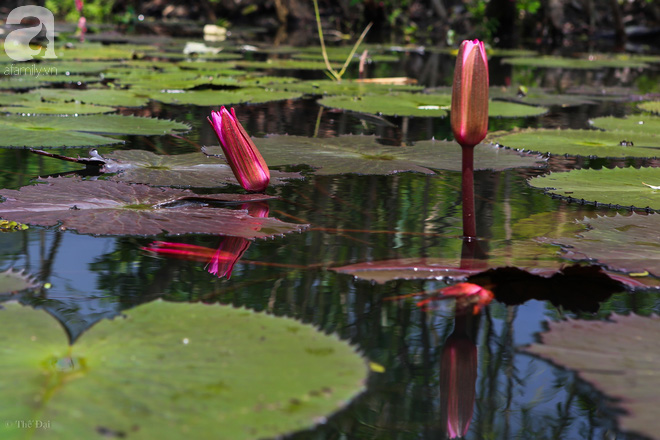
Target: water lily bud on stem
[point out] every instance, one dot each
(246, 162)
(469, 97)
(469, 119)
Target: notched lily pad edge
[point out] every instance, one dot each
(548, 191)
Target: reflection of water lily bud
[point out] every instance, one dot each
(240, 152)
(458, 376)
(469, 98)
(231, 250)
(82, 27)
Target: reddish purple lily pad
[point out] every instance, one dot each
(364, 155)
(619, 358)
(191, 170)
(102, 207)
(625, 243)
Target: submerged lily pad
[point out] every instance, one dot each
(619, 358)
(422, 105)
(53, 131)
(638, 124)
(617, 187)
(12, 281)
(222, 97)
(363, 155)
(583, 143)
(192, 170)
(625, 243)
(169, 371)
(102, 207)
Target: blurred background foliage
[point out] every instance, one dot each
(502, 23)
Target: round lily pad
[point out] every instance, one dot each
(103, 207)
(53, 131)
(536, 96)
(222, 97)
(344, 87)
(171, 371)
(617, 187)
(422, 105)
(286, 65)
(583, 143)
(618, 357)
(363, 155)
(636, 124)
(102, 97)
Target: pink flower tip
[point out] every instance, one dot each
(246, 162)
(469, 99)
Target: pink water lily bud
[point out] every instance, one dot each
(249, 167)
(469, 97)
(79, 5)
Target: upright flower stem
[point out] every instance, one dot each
(467, 193)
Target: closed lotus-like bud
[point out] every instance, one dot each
(469, 97)
(249, 167)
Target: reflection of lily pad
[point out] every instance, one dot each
(625, 243)
(53, 131)
(583, 143)
(222, 97)
(363, 155)
(192, 170)
(103, 207)
(171, 371)
(12, 281)
(620, 358)
(620, 187)
(636, 124)
(650, 106)
(420, 104)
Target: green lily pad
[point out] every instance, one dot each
(286, 65)
(192, 170)
(70, 67)
(582, 143)
(53, 131)
(344, 87)
(12, 281)
(619, 358)
(635, 124)
(222, 97)
(625, 243)
(617, 187)
(32, 104)
(422, 105)
(170, 371)
(98, 51)
(650, 106)
(146, 80)
(104, 97)
(341, 57)
(591, 62)
(363, 155)
(103, 207)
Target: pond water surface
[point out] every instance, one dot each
(356, 219)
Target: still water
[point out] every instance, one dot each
(357, 219)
